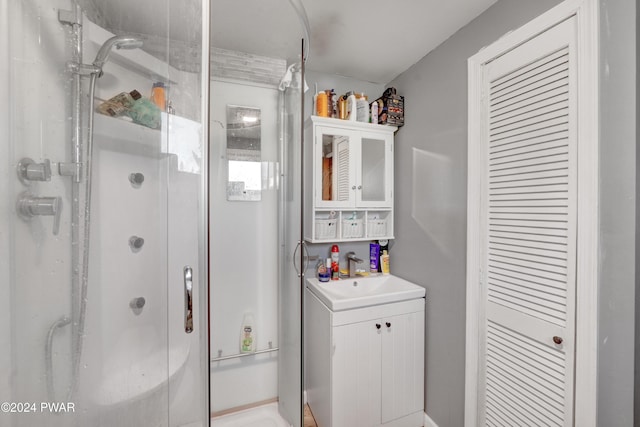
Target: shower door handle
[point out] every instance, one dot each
(188, 299)
(306, 258)
(295, 258)
(304, 264)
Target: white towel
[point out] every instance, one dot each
(288, 80)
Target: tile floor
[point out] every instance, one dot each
(309, 421)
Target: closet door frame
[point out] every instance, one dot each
(587, 20)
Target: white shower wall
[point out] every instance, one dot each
(35, 270)
(243, 257)
(5, 226)
(35, 265)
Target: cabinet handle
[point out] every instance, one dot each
(359, 187)
(378, 325)
(557, 340)
(388, 324)
(353, 188)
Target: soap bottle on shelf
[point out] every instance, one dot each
(247, 335)
(119, 104)
(158, 96)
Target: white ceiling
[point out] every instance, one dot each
(370, 40)
(375, 40)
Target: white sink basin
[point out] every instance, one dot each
(345, 294)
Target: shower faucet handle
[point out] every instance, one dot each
(29, 170)
(29, 206)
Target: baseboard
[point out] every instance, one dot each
(243, 407)
(428, 422)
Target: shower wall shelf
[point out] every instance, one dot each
(179, 136)
(125, 136)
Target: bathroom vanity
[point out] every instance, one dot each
(365, 352)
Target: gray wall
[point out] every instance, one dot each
(431, 195)
(341, 84)
(617, 212)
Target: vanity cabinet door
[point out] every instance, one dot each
(356, 374)
(402, 360)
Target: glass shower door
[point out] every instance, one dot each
(256, 342)
(103, 264)
(293, 254)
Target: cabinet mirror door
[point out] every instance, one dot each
(335, 176)
(374, 179)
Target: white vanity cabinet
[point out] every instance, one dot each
(365, 367)
(350, 169)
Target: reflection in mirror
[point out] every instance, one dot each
(244, 154)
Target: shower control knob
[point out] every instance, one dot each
(136, 179)
(29, 170)
(136, 243)
(29, 206)
(137, 303)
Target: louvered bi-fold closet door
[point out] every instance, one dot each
(528, 241)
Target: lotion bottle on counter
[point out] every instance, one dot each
(384, 260)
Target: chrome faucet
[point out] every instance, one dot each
(353, 260)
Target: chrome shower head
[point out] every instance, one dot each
(119, 42)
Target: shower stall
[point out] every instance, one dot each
(133, 253)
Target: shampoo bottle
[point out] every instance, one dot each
(352, 107)
(374, 112)
(362, 109)
(247, 335)
(334, 104)
(374, 256)
(322, 104)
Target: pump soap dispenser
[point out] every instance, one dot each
(247, 335)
